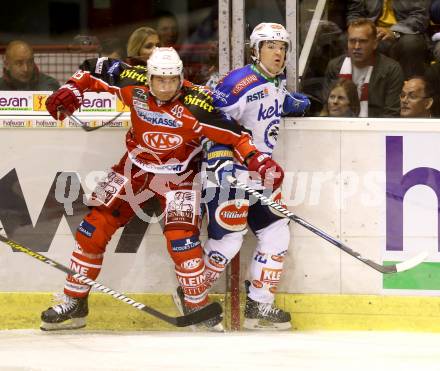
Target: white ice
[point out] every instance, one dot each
(243, 351)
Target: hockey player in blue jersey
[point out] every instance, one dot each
(256, 96)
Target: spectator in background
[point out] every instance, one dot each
(401, 29)
(434, 12)
(330, 42)
(167, 28)
(432, 76)
(379, 79)
(141, 44)
(416, 98)
(112, 47)
(210, 73)
(200, 50)
(20, 71)
(343, 100)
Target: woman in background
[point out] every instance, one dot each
(141, 44)
(343, 100)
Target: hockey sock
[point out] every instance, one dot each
(86, 264)
(265, 271)
(192, 282)
(186, 251)
(218, 254)
(267, 263)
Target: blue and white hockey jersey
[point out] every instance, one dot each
(256, 102)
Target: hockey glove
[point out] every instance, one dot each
(296, 104)
(270, 172)
(66, 100)
(220, 164)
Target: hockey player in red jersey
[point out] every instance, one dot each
(169, 116)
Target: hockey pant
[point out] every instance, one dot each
(226, 227)
(119, 196)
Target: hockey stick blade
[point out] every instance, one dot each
(411, 263)
(399, 267)
(193, 318)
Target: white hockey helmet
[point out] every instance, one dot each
(267, 32)
(164, 62)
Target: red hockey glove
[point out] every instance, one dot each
(271, 173)
(66, 100)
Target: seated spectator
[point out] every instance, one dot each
(168, 29)
(379, 79)
(141, 44)
(20, 71)
(343, 100)
(401, 29)
(417, 98)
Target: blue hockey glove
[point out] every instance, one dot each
(296, 104)
(220, 163)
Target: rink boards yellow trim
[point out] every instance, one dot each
(309, 312)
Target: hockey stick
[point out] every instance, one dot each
(201, 315)
(399, 267)
(89, 128)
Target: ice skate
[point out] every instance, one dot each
(70, 314)
(213, 324)
(264, 316)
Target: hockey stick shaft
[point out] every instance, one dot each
(400, 267)
(88, 128)
(203, 314)
(84, 126)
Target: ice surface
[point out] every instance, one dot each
(243, 351)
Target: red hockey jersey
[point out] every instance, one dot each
(163, 138)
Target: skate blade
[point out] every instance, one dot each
(217, 328)
(179, 306)
(264, 325)
(72, 324)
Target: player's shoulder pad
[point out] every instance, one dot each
(234, 85)
(115, 72)
(198, 99)
(133, 75)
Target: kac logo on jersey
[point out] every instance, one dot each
(271, 111)
(271, 133)
(161, 141)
